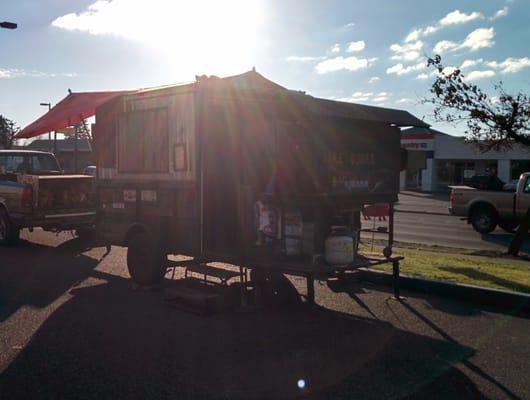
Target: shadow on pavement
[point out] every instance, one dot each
(468, 364)
(108, 341)
(476, 274)
(36, 275)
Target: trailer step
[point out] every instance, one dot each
(222, 274)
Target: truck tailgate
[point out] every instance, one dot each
(65, 193)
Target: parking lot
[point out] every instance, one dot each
(71, 325)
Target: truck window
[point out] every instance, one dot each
(44, 163)
(526, 187)
(27, 163)
(11, 163)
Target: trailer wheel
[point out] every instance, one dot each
(9, 234)
(145, 260)
(483, 219)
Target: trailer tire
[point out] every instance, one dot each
(483, 218)
(145, 260)
(9, 234)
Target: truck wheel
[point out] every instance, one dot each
(483, 219)
(146, 263)
(509, 226)
(9, 234)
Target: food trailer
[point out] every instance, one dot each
(243, 171)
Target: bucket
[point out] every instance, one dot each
(340, 246)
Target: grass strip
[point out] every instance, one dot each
(493, 272)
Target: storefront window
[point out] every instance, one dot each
(491, 168)
(454, 172)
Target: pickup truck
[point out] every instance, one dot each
(485, 209)
(35, 193)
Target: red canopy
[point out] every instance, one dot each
(69, 111)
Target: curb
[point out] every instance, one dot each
(422, 212)
(469, 293)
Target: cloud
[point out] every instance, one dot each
(304, 58)
(478, 39)
(503, 12)
(203, 30)
(367, 97)
(457, 17)
(18, 73)
(356, 46)
(335, 48)
(373, 79)
(413, 36)
(510, 65)
(405, 100)
(470, 63)
(453, 18)
(400, 69)
(343, 63)
(444, 45)
(380, 97)
(422, 76)
(407, 51)
(475, 75)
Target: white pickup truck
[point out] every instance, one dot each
(35, 193)
(485, 209)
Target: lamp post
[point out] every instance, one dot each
(49, 133)
(8, 25)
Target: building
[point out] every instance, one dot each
(65, 152)
(437, 160)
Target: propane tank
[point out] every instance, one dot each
(339, 246)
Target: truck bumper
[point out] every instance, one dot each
(56, 221)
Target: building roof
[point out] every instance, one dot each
(253, 81)
(78, 106)
(416, 130)
(63, 145)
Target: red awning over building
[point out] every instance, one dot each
(69, 111)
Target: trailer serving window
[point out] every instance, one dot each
(143, 141)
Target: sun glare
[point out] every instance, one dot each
(195, 36)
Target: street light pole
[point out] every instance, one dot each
(49, 133)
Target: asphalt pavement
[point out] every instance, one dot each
(424, 218)
(72, 326)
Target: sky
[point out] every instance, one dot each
(370, 52)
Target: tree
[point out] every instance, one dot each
(493, 122)
(8, 130)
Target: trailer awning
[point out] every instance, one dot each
(69, 111)
(341, 109)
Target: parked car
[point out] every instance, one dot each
(485, 209)
(34, 192)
